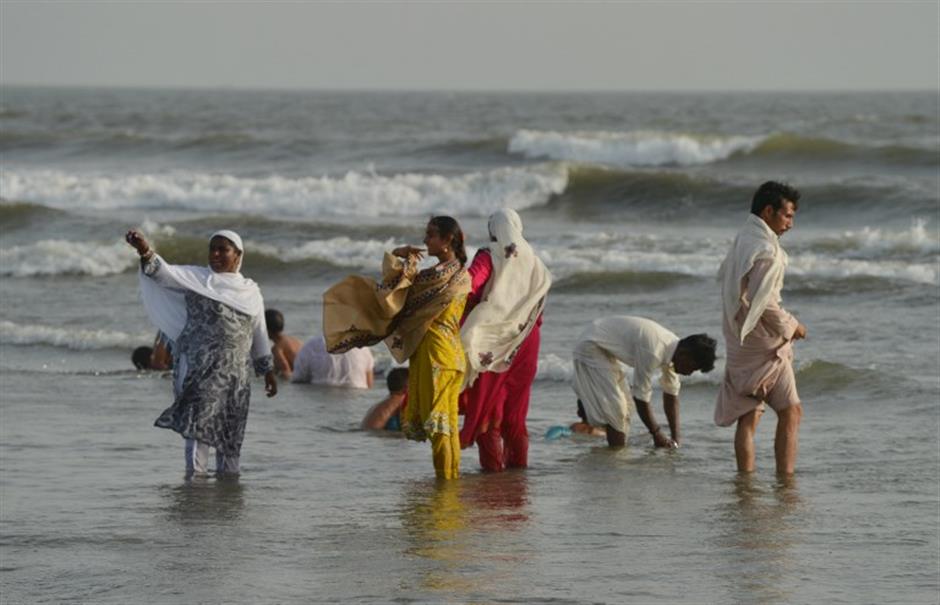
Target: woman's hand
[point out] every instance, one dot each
(136, 239)
(270, 384)
(407, 251)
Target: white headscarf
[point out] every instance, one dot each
(755, 241)
(512, 300)
(164, 296)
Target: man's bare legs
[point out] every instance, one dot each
(787, 440)
(744, 439)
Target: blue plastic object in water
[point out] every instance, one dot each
(557, 432)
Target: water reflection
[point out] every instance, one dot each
(760, 524)
(201, 500)
(459, 533)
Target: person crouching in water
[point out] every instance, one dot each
(647, 347)
(386, 414)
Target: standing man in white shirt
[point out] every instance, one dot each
(647, 347)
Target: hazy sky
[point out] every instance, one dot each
(493, 46)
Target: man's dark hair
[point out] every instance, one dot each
(774, 194)
(141, 358)
(274, 320)
(397, 380)
(701, 347)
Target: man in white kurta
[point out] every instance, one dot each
(758, 332)
(314, 365)
(648, 348)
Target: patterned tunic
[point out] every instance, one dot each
(212, 373)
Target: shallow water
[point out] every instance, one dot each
(631, 200)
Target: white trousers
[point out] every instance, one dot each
(197, 459)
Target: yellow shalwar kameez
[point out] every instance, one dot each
(435, 377)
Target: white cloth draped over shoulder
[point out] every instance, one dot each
(755, 241)
(165, 301)
(512, 300)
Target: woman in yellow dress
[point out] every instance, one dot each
(417, 314)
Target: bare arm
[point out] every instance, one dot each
(671, 409)
(160, 359)
(281, 365)
(378, 416)
(645, 412)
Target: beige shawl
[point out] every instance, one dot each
(358, 312)
(754, 241)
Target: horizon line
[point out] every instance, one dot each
(368, 90)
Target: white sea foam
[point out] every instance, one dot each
(635, 148)
(82, 340)
(918, 239)
(356, 193)
(812, 265)
(61, 257)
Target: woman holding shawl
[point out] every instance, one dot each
(215, 318)
(417, 314)
(501, 337)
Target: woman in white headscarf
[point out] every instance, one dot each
(215, 318)
(501, 337)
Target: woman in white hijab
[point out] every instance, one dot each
(501, 337)
(215, 318)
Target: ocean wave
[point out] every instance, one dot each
(356, 193)
(15, 215)
(647, 148)
(62, 257)
(70, 338)
(809, 148)
(814, 266)
(618, 281)
(918, 239)
(634, 148)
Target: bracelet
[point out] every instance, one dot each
(147, 255)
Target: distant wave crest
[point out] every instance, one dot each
(62, 257)
(355, 193)
(635, 148)
(81, 340)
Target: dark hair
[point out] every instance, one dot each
(274, 320)
(449, 226)
(774, 194)
(397, 380)
(141, 358)
(701, 348)
(581, 413)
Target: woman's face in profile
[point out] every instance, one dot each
(223, 255)
(433, 240)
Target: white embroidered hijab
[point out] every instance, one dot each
(164, 297)
(513, 298)
(755, 241)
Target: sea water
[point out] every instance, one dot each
(632, 201)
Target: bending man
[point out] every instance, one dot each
(647, 347)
